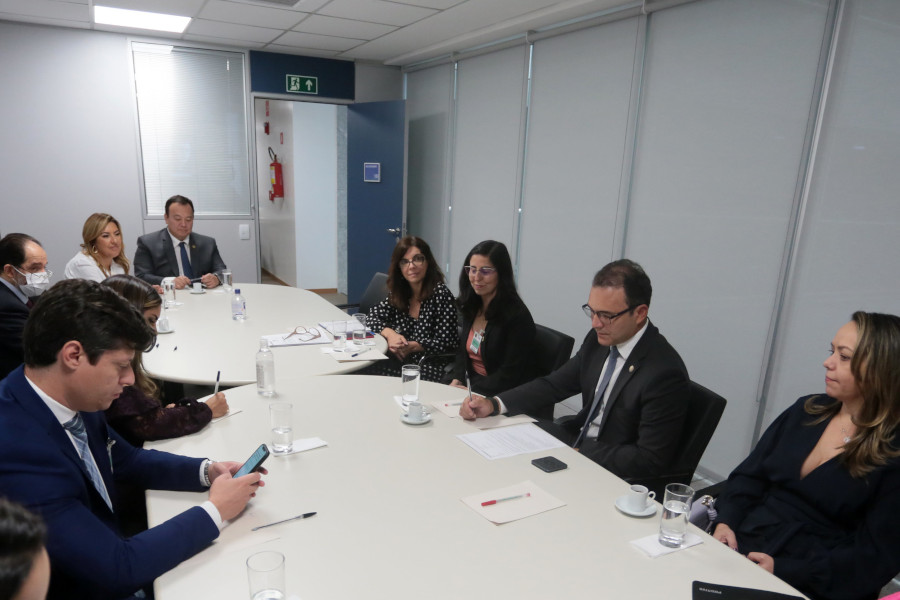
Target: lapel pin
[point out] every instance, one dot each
(631, 369)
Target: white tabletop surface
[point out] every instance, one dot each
(208, 340)
(390, 521)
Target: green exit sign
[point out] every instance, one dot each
(302, 84)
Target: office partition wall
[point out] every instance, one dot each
(725, 104)
(486, 157)
(848, 257)
(429, 112)
(579, 108)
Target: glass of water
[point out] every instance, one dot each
(265, 573)
(339, 341)
(359, 331)
(410, 377)
(281, 419)
(676, 509)
(169, 293)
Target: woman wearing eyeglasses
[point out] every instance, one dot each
(418, 317)
(497, 338)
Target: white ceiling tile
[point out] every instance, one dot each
(376, 11)
(343, 27)
(182, 8)
(48, 9)
(260, 16)
(300, 51)
(237, 45)
(80, 24)
(232, 31)
(438, 4)
(323, 42)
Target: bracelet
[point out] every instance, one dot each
(495, 403)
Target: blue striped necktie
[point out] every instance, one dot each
(75, 426)
(185, 262)
(604, 383)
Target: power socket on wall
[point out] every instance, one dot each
(244, 231)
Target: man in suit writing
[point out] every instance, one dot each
(23, 278)
(634, 385)
(175, 251)
(60, 459)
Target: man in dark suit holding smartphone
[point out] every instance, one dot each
(634, 385)
(175, 251)
(60, 459)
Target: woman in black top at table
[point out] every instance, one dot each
(418, 318)
(497, 338)
(816, 501)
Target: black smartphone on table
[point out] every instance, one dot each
(254, 462)
(549, 464)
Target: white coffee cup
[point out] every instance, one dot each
(415, 411)
(198, 287)
(637, 498)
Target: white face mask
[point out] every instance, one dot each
(35, 283)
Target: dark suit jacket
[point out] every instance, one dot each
(644, 414)
(40, 468)
(507, 351)
(13, 314)
(155, 259)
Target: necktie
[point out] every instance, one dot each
(185, 262)
(30, 303)
(598, 397)
(76, 427)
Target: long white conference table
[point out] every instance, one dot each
(390, 521)
(206, 340)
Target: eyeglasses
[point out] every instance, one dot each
(485, 271)
(604, 317)
(304, 334)
(418, 259)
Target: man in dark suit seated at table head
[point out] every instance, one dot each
(175, 251)
(60, 459)
(633, 384)
(23, 278)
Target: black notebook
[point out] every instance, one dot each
(714, 591)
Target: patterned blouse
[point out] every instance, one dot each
(139, 418)
(436, 329)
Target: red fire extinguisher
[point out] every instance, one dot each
(276, 177)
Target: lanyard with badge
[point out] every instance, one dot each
(477, 338)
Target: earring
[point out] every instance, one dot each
(94, 249)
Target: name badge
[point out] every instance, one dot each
(476, 341)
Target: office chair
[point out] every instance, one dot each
(375, 292)
(552, 349)
(704, 411)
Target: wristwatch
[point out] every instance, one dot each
(495, 402)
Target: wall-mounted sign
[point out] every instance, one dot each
(301, 84)
(372, 172)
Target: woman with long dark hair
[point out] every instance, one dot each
(418, 317)
(497, 338)
(816, 501)
(137, 413)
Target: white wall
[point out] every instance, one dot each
(316, 192)
(277, 238)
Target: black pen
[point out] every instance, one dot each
(303, 516)
(216, 390)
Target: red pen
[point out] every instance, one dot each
(490, 502)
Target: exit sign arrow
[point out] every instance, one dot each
(301, 84)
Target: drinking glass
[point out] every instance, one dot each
(281, 419)
(676, 509)
(410, 377)
(265, 573)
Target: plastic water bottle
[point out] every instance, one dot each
(238, 306)
(265, 369)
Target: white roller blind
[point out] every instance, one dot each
(193, 128)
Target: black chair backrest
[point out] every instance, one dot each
(704, 411)
(551, 349)
(375, 292)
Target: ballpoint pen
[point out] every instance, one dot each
(303, 516)
(492, 502)
(216, 390)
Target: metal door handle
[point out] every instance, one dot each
(395, 231)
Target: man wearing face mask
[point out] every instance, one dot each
(23, 278)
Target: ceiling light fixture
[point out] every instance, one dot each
(137, 19)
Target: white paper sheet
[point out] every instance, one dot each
(281, 339)
(354, 354)
(512, 510)
(301, 446)
(503, 442)
(651, 546)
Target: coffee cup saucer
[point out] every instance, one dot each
(649, 511)
(426, 418)
(198, 293)
(161, 332)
